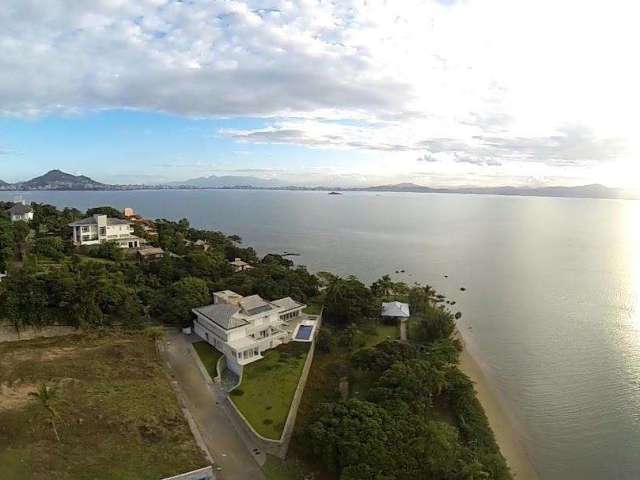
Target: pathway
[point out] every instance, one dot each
(229, 449)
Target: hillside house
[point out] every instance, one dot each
(244, 327)
(21, 212)
(100, 228)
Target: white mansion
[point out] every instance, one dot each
(244, 327)
(100, 228)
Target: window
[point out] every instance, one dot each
(85, 229)
(103, 231)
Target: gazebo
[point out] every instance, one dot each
(397, 311)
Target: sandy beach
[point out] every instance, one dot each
(506, 434)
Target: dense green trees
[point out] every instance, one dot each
(349, 301)
(363, 441)
(179, 298)
(411, 413)
(7, 244)
(50, 247)
(416, 416)
(106, 210)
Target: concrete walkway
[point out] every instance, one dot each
(229, 449)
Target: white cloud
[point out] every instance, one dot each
(487, 83)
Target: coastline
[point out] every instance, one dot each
(505, 432)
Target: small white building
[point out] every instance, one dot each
(240, 265)
(100, 228)
(3, 275)
(395, 310)
(242, 328)
(21, 212)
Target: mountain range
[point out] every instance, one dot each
(228, 181)
(59, 180)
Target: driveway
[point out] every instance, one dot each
(229, 450)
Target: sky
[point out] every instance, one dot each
(316, 92)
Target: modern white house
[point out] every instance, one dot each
(242, 328)
(21, 212)
(100, 228)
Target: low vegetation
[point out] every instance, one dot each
(268, 385)
(209, 357)
(90, 406)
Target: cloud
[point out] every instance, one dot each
(569, 145)
(233, 58)
(463, 158)
(427, 158)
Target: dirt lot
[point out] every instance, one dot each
(115, 412)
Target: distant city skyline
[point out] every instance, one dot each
(351, 93)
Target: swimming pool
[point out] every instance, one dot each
(304, 332)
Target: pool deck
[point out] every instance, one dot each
(302, 320)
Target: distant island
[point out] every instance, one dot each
(59, 180)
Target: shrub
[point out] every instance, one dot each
(237, 392)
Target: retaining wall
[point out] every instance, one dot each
(9, 334)
(205, 473)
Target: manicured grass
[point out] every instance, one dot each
(382, 333)
(209, 356)
(117, 415)
(267, 388)
(313, 309)
(278, 469)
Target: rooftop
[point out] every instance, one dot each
(20, 209)
(255, 304)
(222, 314)
(92, 221)
(238, 262)
(287, 303)
(395, 309)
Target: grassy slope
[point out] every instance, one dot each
(209, 356)
(268, 386)
(118, 417)
(382, 333)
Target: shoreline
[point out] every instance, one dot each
(507, 436)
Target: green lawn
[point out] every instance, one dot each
(117, 415)
(382, 333)
(267, 388)
(209, 356)
(313, 309)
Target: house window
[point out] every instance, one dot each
(85, 229)
(103, 231)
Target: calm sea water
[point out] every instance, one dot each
(552, 307)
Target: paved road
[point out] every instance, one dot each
(222, 439)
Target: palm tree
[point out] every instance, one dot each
(45, 396)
